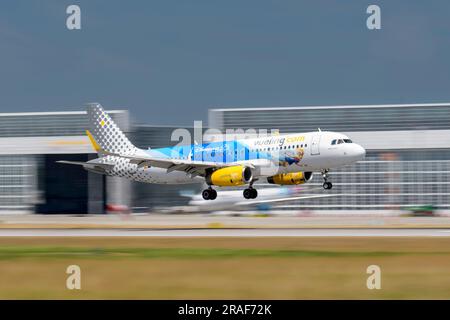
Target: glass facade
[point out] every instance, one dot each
(384, 181)
(18, 180)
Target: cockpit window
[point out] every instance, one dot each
(339, 141)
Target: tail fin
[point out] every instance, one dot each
(105, 134)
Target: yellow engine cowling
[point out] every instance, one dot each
(290, 178)
(230, 176)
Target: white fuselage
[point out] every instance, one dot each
(303, 152)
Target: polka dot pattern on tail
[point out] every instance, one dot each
(106, 133)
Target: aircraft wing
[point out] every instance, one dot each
(194, 168)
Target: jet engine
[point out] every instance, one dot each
(290, 178)
(230, 176)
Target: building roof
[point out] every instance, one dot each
(447, 104)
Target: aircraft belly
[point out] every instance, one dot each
(123, 168)
(160, 176)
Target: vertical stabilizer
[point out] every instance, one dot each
(105, 134)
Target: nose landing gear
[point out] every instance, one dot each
(326, 185)
(209, 194)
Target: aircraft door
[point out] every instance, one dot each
(315, 145)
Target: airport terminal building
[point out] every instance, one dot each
(30, 178)
(32, 181)
(408, 159)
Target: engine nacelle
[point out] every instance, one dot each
(230, 176)
(290, 178)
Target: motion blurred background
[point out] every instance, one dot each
(170, 62)
(407, 162)
(160, 65)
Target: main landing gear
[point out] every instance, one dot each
(326, 185)
(209, 194)
(250, 193)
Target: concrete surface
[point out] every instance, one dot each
(225, 233)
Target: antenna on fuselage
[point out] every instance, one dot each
(319, 129)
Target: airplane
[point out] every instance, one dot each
(288, 159)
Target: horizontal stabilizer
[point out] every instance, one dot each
(89, 165)
(80, 163)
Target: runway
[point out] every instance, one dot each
(206, 221)
(225, 232)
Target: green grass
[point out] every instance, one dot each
(224, 268)
(7, 253)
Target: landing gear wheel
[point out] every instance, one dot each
(250, 193)
(327, 185)
(206, 194)
(209, 194)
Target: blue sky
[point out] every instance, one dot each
(168, 62)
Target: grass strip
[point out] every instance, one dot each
(7, 253)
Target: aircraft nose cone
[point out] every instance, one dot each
(359, 152)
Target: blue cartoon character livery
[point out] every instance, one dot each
(291, 157)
